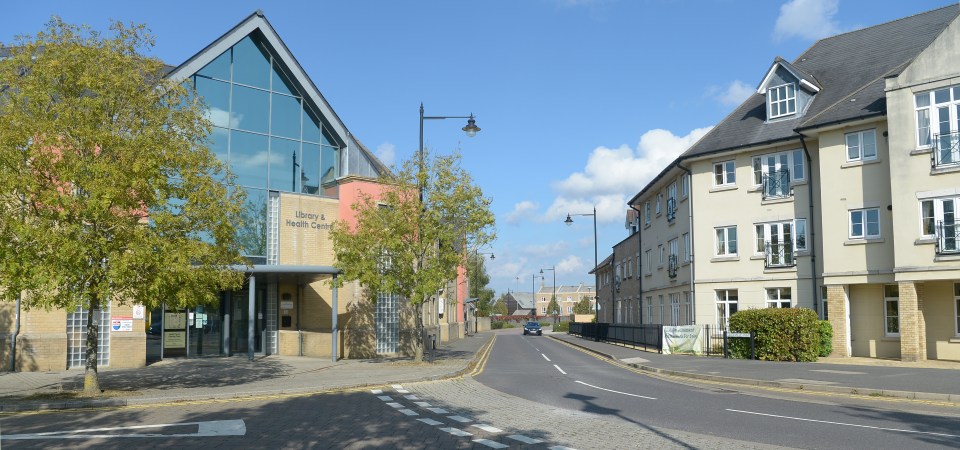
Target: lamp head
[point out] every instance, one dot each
(569, 220)
(492, 257)
(471, 129)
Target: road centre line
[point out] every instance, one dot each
(558, 368)
(844, 424)
(616, 392)
(545, 357)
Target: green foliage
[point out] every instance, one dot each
(782, 334)
(500, 308)
(583, 306)
(477, 272)
(561, 327)
(413, 249)
(500, 325)
(107, 187)
(826, 338)
(553, 307)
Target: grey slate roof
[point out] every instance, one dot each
(850, 68)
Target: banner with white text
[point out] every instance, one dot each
(686, 339)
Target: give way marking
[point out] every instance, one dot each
(204, 429)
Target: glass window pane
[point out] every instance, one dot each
(731, 172)
(248, 158)
(328, 168)
(927, 217)
(250, 109)
(281, 83)
(218, 143)
(853, 147)
(923, 128)
(941, 96)
(283, 157)
(218, 68)
(798, 172)
(791, 106)
(251, 64)
(869, 144)
(873, 222)
(310, 169)
(216, 95)
(311, 126)
(252, 231)
(801, 234)
(732, 238)
(891, 291)
(285, 116)
(923, 99)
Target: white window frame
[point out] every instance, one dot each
(798, 234)
(722, 297)
(788, 92)
(956, 308)
(727, 173)
(659, 203)
(723, 239)
(778, 297)
(660, 251)
(862, 137)
(793, 160)
(649, 309)
(864, 214)
(928, 110)
(675, 309)
(940, 213)
(684, 186)
(649, 254)
(689, 307)
(886, 316)
(686, 247)
(646, 213)
(662, 307)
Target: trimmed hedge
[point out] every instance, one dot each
(562, 327)
(500, 325)
(826, 338)
(782, 334)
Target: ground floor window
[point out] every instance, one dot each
(824, 311)
(891, 310)
(77, 338)
(689, 307)
(675, 309)
(661, 309)
(727, 302)
(778, 298)
(649, 309)
(386, 318)
(956, 310)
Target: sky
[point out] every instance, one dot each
(580, 102)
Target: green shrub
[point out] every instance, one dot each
(497, 325)
(562, 327)
(826, 338)
(781, 334)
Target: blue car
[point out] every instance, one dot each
(532, 328)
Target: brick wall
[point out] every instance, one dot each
(913, 346)
(837, 311)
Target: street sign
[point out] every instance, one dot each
(738, 335)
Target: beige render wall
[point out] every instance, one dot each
(940, 315)
(867, 324)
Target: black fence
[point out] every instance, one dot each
(648, 336)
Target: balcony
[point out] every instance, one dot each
(672, 266)
(946, 153)
(671, 209)
(776, 185)
(948, 236)
(779, 256)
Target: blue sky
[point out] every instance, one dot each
(581, 102)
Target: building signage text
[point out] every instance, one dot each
(304, 219)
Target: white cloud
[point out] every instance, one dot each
(571, 265)
(522, 210)
(807, 19)
(507, 269)
(387, 153)
(613, 175)
(546, 250)
(734, 94)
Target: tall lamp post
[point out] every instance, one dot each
(556, 311)
(533, 292)
(471, 129)
(596, 290)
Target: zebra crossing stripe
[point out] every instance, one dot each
(488, 428)
(456, 432)
(431, 422)
(524, 439)
(490, 443)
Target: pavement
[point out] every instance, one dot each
(235, 377)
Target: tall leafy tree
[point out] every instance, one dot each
(553, 307)
(479, 279)
(412, 249)
(106, 184)
(583, 306)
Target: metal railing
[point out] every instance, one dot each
(779, 255)
(672, 266)
(671, 209)
(777, 185)
(647, 336)
(948, 238)
(947, 150)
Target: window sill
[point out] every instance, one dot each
(922, 151)
(758, 257)
(863, 241)
(671, 223)
(685, 263)
(955, 340)
(947, 257)
(850, 164)
(684, 198)
(755, 189)
(777, 200)
(925, 241)
(725, 187)
(953, 168)
(646, 225)
(725, 258)
(792, 268)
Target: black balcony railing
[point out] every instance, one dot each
(672, 266)
(671, 209)
(948, 238)
(779, 255)
(947, 150)
(777, 185)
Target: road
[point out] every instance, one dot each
(533, 392)
(549, 372)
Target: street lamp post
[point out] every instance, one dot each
(471, 129)
(556, 312)
(596, 290)
(533, 292)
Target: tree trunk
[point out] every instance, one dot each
(418, 339)
(91, 380)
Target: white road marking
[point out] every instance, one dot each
(524, 439)
(376, 391)
(456, 432)
(409, 412)
(616, 392)
(395, 405)
(422, 404)
(411, 397)
(403, 391)
(438, 410)
(841, 372)
(397, 386)
(385, 398)
(431, 422)
(204, 429)
(558, 368)
(490, 443)
(845, 424)
(560, 447)
(488, 428)
(460, 419)
(545, 357)
(805, 381)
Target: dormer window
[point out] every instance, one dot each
(782, 100)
